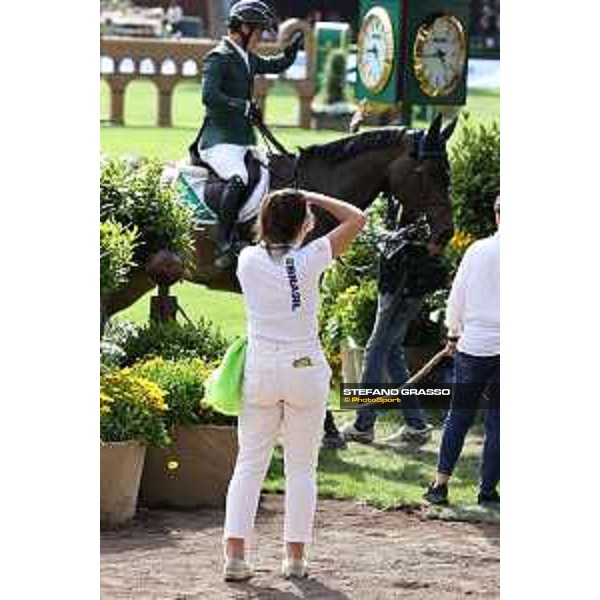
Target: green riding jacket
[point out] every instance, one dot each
(227, 88)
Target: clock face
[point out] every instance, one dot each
(440, 55)
(375, 49)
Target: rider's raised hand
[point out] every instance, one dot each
(296, 41)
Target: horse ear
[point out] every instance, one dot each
(433, 133)
(449, 129)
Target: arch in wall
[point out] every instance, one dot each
(190, 68)
(147, 66)
(126, 66)
(168, 67)
(141, 103)
(107, 65)
(105, 100)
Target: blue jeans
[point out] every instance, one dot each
(384, 356)
(478, 372)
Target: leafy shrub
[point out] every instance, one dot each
(131, 408)
(183, 384)
(134, 196)
(354, 314)
(117, 244)
(475, 159)
(335, 77)
(173, 340)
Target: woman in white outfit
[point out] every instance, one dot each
(286, 379)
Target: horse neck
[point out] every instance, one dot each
(357, 180)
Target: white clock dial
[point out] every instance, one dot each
(375, 49)
(440, 54)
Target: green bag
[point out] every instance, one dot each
(223, 388)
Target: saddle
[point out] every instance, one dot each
(199, 187)
(282, 170)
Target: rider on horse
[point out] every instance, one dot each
(227, 132)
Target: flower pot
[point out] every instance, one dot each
(121, 466)
(352, 360)
(193, 472)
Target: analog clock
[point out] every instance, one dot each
(376, 49)
(440, 55)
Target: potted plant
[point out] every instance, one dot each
(195, 469)
(131, 417)
(332, 110)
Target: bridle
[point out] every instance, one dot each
(420, 151)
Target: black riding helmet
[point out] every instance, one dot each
(254, 13)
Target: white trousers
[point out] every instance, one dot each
(279, 396)
(227, 160)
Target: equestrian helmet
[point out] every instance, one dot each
(254, 13)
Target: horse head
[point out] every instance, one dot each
(420, 179)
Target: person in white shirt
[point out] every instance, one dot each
(473, 320)
(286, 376)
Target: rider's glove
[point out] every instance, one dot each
(255, 115)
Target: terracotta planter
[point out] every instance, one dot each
(352, 360)
(193, 472)
(121, 466)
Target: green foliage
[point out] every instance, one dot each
(475, 159)
(183, 383)
(117, 245)
(133, 195)
(175, 341)
(355, 311)
(335, 77)
(356, 270)
(131, 408)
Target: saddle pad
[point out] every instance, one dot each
(189, 183)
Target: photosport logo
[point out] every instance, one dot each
(381, 396)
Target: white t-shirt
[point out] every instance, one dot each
(473, 310)
(282, 294)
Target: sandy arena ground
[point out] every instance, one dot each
(359, 553)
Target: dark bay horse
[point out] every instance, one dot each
(408, 164)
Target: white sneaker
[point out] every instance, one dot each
(237, 569)
(350, 433)
(294, 567)
(409, 435)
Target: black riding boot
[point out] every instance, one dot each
(232, 199)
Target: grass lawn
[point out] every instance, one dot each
(141, 137)
(197, 301)
(383, 477)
